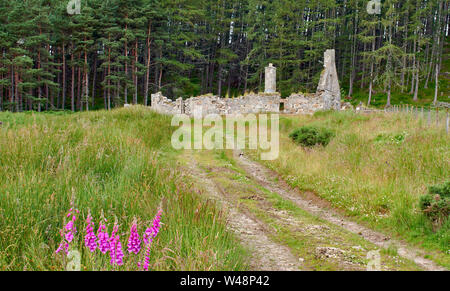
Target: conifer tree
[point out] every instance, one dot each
(121, 51)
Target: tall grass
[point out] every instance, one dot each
(117, 162)
(375, 169)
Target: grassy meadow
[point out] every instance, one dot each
(375, 170)
(121, 164)
(118, 163)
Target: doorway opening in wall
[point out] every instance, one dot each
(282, 106)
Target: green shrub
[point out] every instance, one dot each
(442, 190)
(436, 204)
(310, 136)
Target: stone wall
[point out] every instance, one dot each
(252, 103)
(303, 104)
(210, 104)
(164, 105)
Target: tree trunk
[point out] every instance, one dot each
(126, 63)
(363, 77)
(79, 107)
(219, 86)
(390, 70)
(353, 63)
(135, 100)
(86, 76)
(436, 87)
(160, 71)
(414, 66)
(16, 74)
(438, 52)
(372, 68)
(147, 79)
(405, 47)
(39, 80)
(108, 98)
(416, 91)
(46, 89)
(109, 80)
(105, 94)
(12, 95)
(63, 102)
(229, 84)
(73, 83)
(428, 72)
(1, 94)
(94, 80)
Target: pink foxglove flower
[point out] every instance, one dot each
(134, 242)
(103, 238)
(147, 257)
(68, 232)
(115, 249)
(63, 246)
(152, 232)
(149, 235)
(90, 238)
(70, 229)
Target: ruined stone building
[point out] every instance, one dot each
(328, 96)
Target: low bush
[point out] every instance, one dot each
(436, 204)
(310, 136)
(442, 190)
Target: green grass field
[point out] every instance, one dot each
(121, 163)
(118, 162)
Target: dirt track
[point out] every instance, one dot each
(262, 175)
(312, 237)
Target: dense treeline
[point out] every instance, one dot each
(120, 51)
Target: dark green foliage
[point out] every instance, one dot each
(442, 190)
(310, 136)
(436, 204)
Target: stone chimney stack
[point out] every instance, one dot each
(329, 88)
(271, 79)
